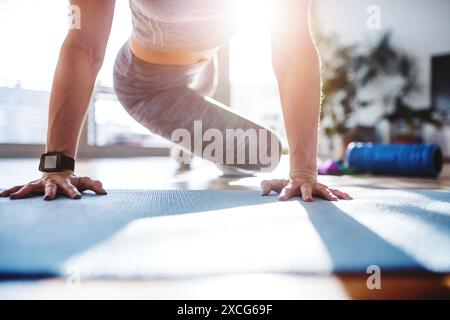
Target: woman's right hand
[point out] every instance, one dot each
(52, 184)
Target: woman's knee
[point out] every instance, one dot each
(255, 149)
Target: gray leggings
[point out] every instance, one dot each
(164, 98)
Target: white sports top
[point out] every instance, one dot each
(183, 25)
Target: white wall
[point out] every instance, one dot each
(420, 27)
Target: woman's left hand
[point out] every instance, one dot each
(288, 189)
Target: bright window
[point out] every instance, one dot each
(31, 36)
(253, 87)
(34, 31)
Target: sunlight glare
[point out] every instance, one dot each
(250, 48)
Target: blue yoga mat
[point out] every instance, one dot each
(179, 233)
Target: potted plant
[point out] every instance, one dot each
(388, 71)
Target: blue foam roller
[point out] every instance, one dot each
(421, 160)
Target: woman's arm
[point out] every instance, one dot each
(297, 67)
(80, 59)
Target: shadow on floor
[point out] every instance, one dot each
(348, 241)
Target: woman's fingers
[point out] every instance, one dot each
(8, 192)
(97, 187)
(325, 193)
(275, 185)
(306, 190)
(26, 190)
(50, 190)
(54, 184)
(341, 195)
(86, 183)
(292, 189)
(67, 188)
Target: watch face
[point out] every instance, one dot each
(50, 162)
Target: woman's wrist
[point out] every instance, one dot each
(67, 151)
(66, 173)
(303, 174)
(302, 168)
(303, 164)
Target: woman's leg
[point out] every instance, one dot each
(166, 100)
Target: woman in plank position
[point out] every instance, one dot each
(164, 75)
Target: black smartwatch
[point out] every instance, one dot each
(55, 162)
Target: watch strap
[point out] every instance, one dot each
(67, 163)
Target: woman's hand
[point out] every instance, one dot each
(52, 184)
(301, 187)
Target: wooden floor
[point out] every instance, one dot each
(162, 173)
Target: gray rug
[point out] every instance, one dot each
(177, 233)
